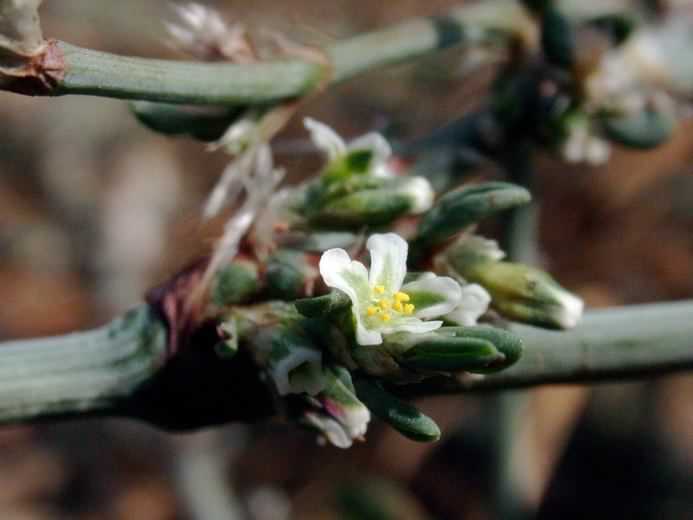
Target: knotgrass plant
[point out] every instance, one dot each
(285, 317)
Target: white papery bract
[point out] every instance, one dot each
(381, 302)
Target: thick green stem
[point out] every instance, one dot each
(108, 75)
(624, 343)
(117, 370)
(79, 374)
(85, 71)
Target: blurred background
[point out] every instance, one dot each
(94, 210)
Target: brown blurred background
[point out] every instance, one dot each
(94, 210)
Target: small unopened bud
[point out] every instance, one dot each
(461, 208)
(367, 200)
(236, 283)
(518, 291)
(285, 275)
(402, 416)
(342, 417)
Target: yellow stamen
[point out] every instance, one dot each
(380, 289)
(409, 308)
(385, 304)
(398, 306)
(402, 296)
(385, 317)
(372, 310)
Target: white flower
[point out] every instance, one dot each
(328, 141)
(473, 304)
(381, 304)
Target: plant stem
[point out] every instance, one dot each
(79, 374)
(86, 71)
(622, 343)
(117, 369)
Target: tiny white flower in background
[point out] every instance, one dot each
(328, 141)
(381, 304)
(582, 145)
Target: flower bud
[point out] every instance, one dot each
(236, 283)
(285, 275)
(518, 291)
(342, 417)
(461, 208)
(366, 200)
(402, 416)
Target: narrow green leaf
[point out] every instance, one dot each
(402, 416)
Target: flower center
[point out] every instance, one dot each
(383, 306)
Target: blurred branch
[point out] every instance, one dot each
(85, 71)
(122, 369)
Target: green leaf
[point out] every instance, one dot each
(558, 38)
(402, 416)
(451, 354)
(200, 122)
(644, 130)
(459, 209)
(321, 306)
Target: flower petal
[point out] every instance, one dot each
(366, 336)
(388, 260)
(433, 295)
(473, 304)
(325, 138)
(339, 271)
(375, 143)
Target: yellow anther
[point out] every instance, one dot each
(409, 308)
(385, 304)
(380, 289)
(385, 317)
(402, 296)
(398, 306)
(372, 310)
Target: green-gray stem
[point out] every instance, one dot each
(623, 343)
(97, 73)
(117, 370)
(102, 74)
(84, 373)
